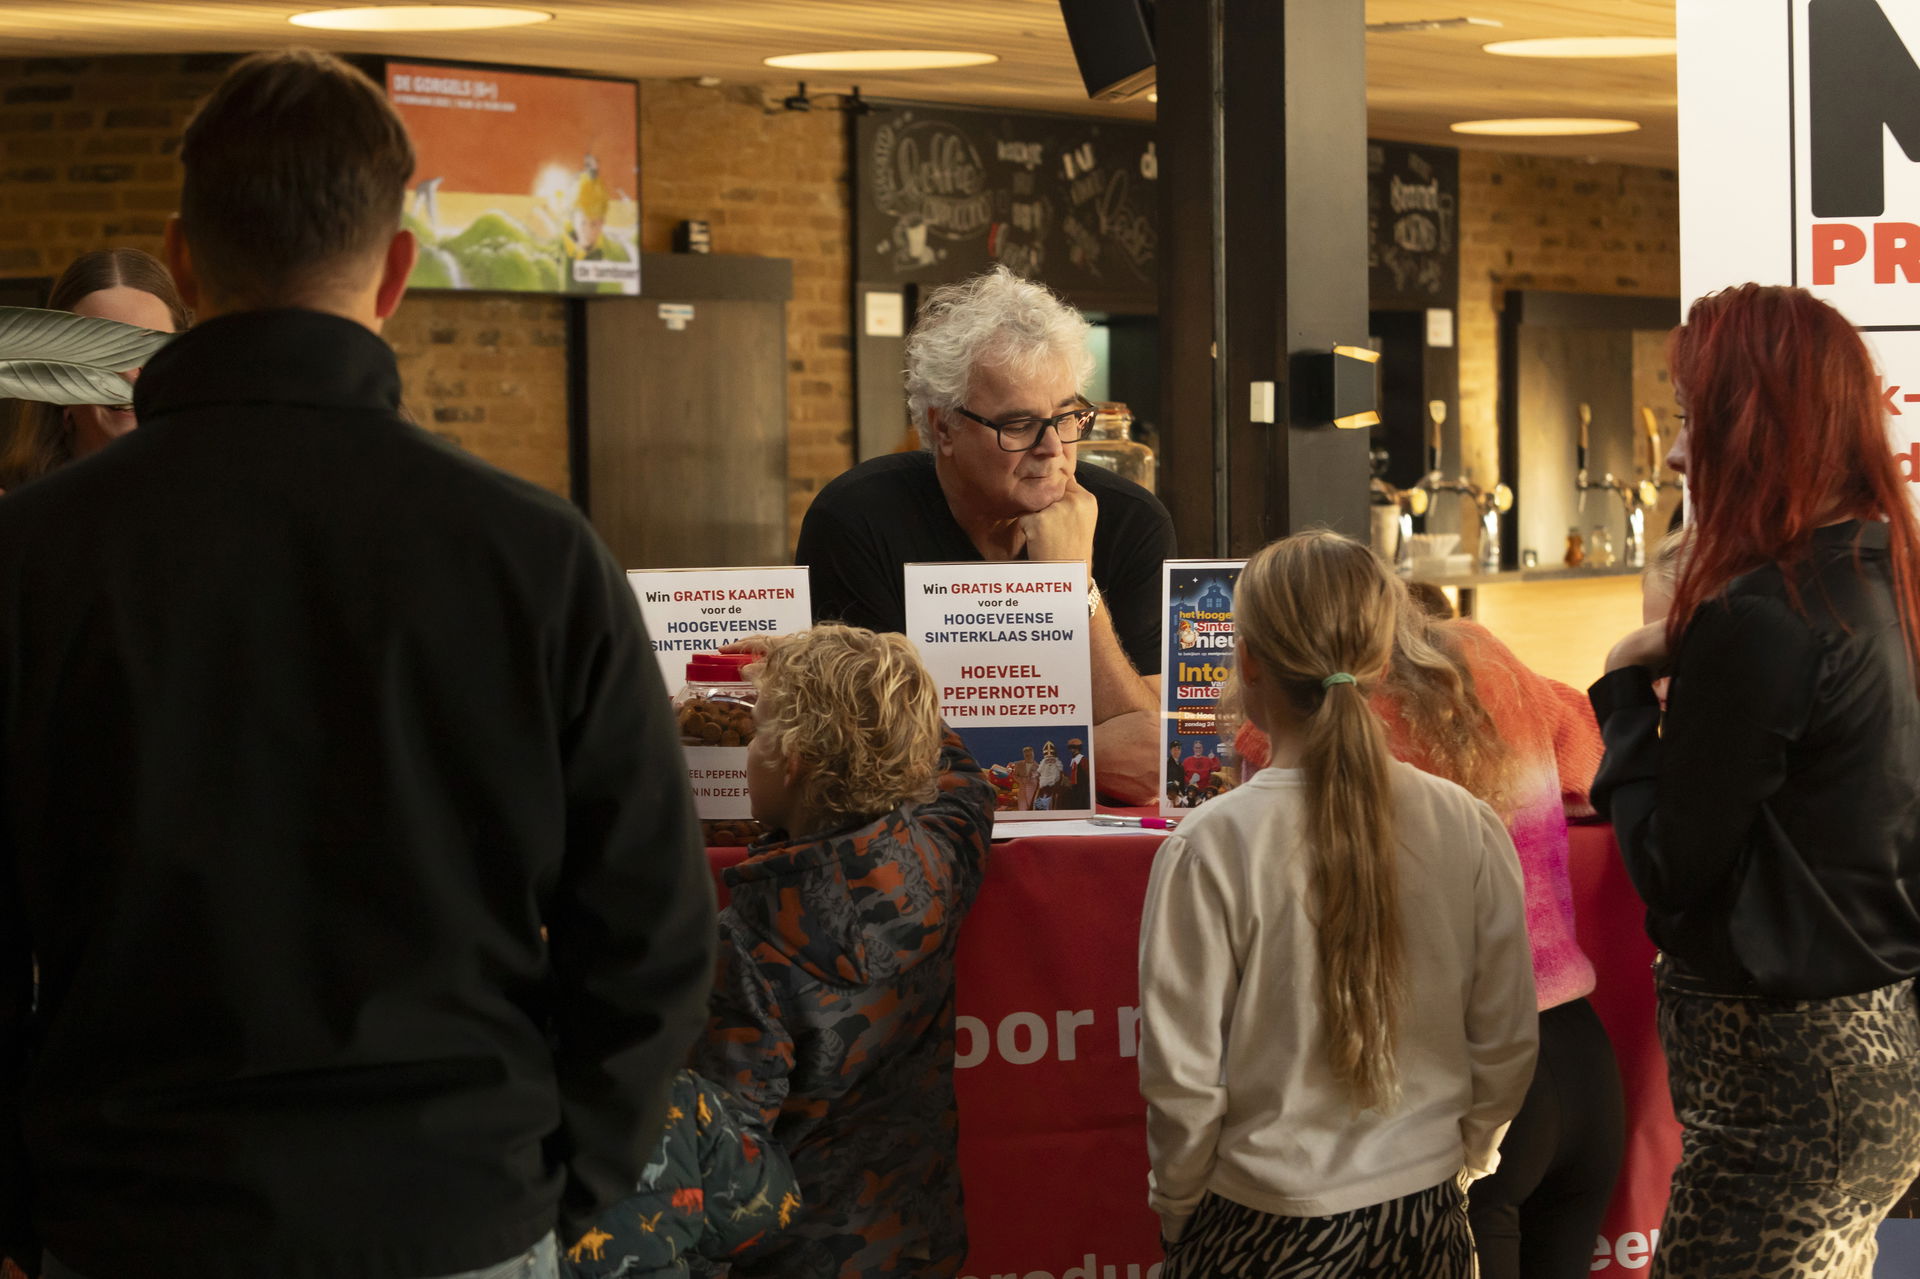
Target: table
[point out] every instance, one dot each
(1052, 1128)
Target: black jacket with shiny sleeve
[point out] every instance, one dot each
(309, 725)
(1772, 823)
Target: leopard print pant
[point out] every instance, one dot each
(1801, 1124)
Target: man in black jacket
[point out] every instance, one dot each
(341, 808)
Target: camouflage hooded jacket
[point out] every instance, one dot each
(715, 1189)
(833, 1012)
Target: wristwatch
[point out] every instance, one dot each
(1093, 598)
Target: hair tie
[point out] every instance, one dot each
(1338, 677)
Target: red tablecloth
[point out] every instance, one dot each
(1052, 1128)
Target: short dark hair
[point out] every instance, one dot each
(296, 165)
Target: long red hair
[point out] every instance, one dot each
(1786, 431)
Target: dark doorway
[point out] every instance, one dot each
(1127, 368)
(1403, 390)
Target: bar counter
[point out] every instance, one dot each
(1511, 576)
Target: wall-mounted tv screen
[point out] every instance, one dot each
(524, 182)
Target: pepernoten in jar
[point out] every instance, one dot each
(715, 711)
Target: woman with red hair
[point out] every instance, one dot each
(1771, 822)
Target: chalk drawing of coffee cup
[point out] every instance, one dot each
(910, 241)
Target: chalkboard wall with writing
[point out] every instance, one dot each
(1413, 225)
(942, 193)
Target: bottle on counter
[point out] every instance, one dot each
(1109, 443)
(1576, 549)
(715, 711)
(1600, 547)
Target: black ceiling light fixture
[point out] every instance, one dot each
(853, 104)
(850, 102)
(1428, 24)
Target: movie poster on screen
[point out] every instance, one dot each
(700, 610)
(1197, 760)
(1007, 644)
(523, 183)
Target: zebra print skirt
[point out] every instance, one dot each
(1419, 1236)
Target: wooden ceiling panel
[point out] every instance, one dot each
(1417, 82)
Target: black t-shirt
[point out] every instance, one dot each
(890, 511)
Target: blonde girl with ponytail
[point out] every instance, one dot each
(1336, 988)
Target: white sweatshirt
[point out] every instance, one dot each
(1233, 1050)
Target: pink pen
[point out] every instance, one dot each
(1144, 823)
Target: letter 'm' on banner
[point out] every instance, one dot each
(1860, 78)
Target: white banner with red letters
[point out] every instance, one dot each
(1800, 164)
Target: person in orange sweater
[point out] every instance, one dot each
(1459, 704)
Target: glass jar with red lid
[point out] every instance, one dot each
(715, 710)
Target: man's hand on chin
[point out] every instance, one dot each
(1063, 531)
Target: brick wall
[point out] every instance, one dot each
(489, 372)
(88, 159)
(772, 185)
(1532, 222)
(88, 153)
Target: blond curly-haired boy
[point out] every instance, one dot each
(833, 1007)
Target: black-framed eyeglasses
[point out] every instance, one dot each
(1022, 433)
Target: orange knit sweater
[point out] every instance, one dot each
(1551, 728)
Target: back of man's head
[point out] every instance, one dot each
(296, 175)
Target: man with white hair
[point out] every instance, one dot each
(995, 369)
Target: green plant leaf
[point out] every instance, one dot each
(56, 357)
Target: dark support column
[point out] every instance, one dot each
(1183, 40)
(1263, 140)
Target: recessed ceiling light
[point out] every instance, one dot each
(419, 17)
(1586, 47)
(882, 60)
(1544, 127)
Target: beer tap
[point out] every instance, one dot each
(1436, 418)
(1406, 503)
(1583, 481)
(1656, 455)
(1580, 479)
(1638, 496)
(1419, 498)
(1644, 494)
(1433, 481)
(1490, 503)
(1634, 499)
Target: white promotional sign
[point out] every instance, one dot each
(1800, 164)
(718, 775)
(1007, 644)
(698, 610)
